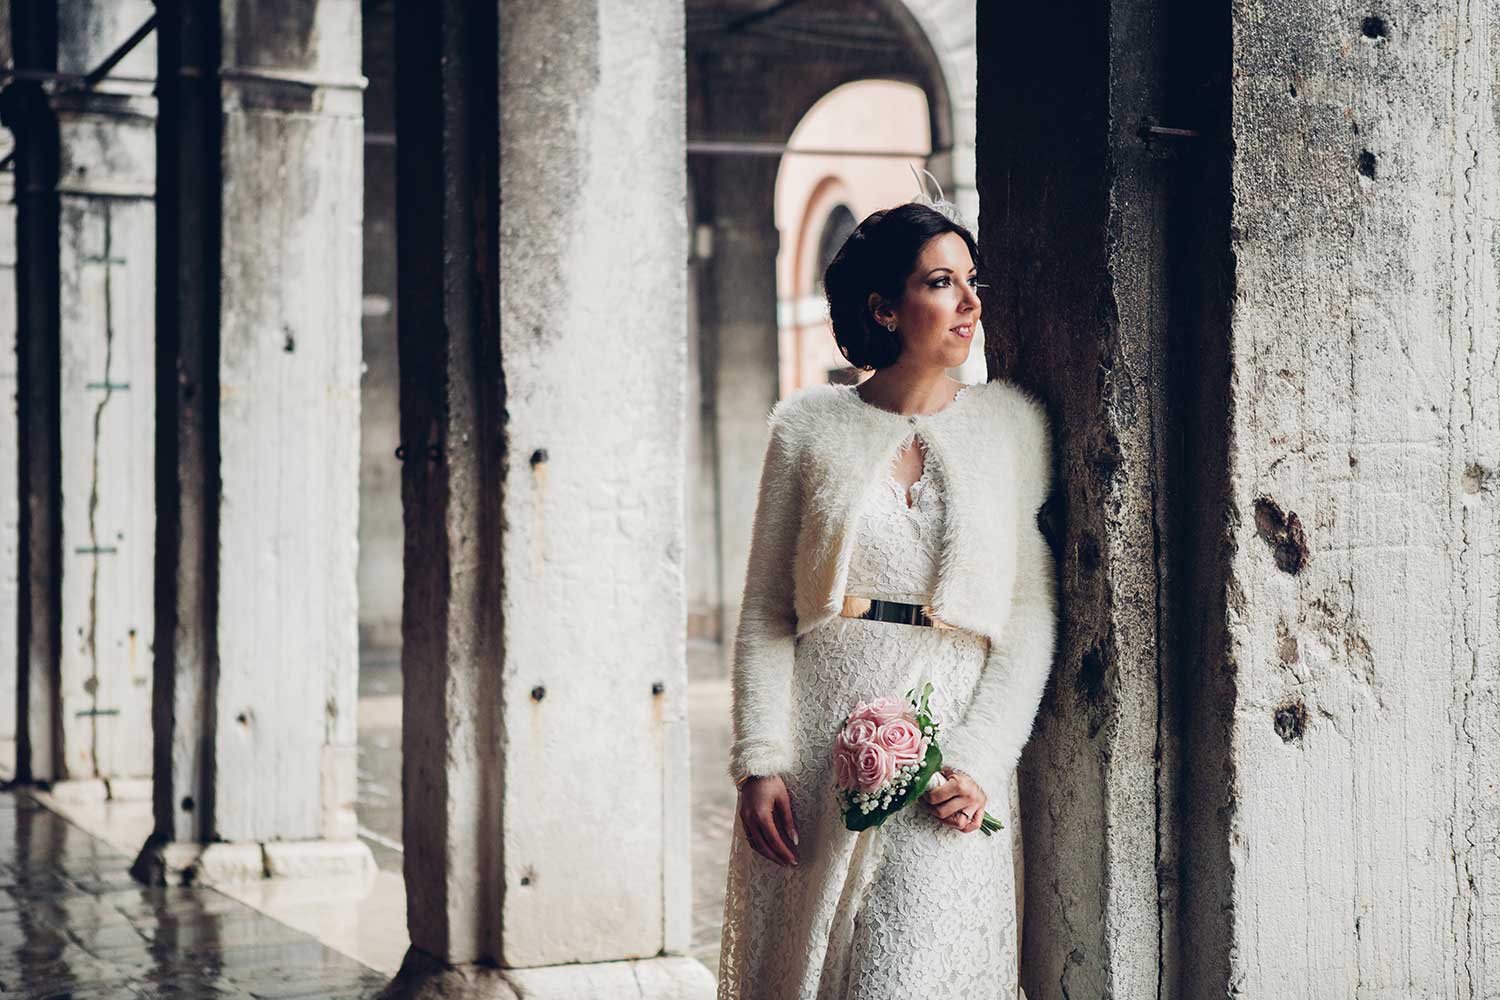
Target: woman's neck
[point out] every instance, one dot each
(909, 393)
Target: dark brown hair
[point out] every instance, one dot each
(878, 257)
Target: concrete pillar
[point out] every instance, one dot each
(1266, 763)
(1364, 839)
(86, 161)
(106, 264)
(259, 313)
(739, 323)
(1069, 314)
(542, 373)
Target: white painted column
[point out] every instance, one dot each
(86, 381)
(543, 427)
(107, 395)
(593, 606)
(261, 230)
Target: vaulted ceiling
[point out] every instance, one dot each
(756, 66)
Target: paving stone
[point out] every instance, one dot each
(73, 924)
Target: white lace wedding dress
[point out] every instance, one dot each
(913, 910)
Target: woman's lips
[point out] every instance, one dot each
(964, 330)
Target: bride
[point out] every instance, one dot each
(895, 537)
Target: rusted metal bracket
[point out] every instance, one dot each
(87, 81)
(1149, 131)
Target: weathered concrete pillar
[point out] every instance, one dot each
(739, 319)
(1070, 314)
(86, 141)
(86, 162)
(542, 375)
(1267, 762)
(1364, 840)
(107, 389)
(259, 325)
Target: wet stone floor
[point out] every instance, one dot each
(74, 924)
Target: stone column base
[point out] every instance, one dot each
(423, 977)
(86, 791)
(226, 864)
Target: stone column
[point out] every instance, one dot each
(1074, 312)
(1364, 470)
(106, 270)
(542, 396)
(739, 321)
(85, 155)
(1246, 255)
(259, 326)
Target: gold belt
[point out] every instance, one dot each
(876, 610)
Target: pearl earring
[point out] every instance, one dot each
(891, 326)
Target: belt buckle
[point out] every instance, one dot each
(856, 607)
(933, 619)
(896, 612)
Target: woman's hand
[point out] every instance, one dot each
(959, 802)
(766, 814)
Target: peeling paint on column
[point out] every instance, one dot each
(1283, 532)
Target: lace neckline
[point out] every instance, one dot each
(917, 489)
(853, 391)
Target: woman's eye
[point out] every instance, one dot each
(941, 283)
(974, 283)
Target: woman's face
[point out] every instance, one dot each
(939, 306)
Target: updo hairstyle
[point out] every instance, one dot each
(878, 257)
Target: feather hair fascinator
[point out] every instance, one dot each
(940, 204)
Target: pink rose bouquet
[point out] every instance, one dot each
(885, 757)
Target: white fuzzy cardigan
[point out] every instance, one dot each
(828, 448)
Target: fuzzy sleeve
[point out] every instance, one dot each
(764, 643)
(987, 742)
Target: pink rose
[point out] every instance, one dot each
(857, 731)
(843, 768)
(873, 767)
(902, 740)
(879, 711)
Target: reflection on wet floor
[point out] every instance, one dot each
(74, 924)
